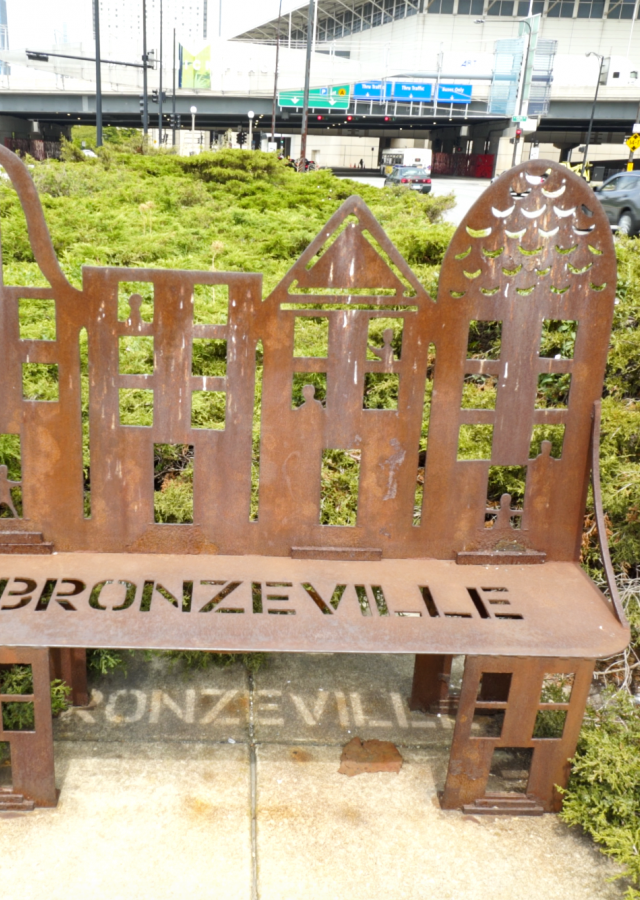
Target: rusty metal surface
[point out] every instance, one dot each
(69, 664)
(31, 751)
(535, 247)
(599, 515)
(470, 759)
(262, 603)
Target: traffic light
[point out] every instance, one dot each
(154, 96)
(514, 140)
(349, 118)
(178, 120)
(141, 104)
(242, 137)
(320, 118)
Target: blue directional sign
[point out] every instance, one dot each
(454, 93)
(367, 90)
(409, 90)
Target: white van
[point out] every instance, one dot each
(405, 156)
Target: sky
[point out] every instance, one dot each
(41, 23)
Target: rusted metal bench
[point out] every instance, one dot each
(501, 585)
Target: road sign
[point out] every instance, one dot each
(367, 90)
(454, 93)
(409, 90)
(518, 119)
(290, 98)
(336, 97)
(633, 142)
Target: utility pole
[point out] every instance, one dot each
(593, 111)
(275, 78)
(145, 94)
(173, 99)
(96, 19)
(160, 91)
(311, 13)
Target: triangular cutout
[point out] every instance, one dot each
(351, 262)
(361, 259)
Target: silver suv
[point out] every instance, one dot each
(620, 198)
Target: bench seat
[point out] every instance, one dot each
(258, 603)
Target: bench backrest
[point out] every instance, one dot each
(535, 249)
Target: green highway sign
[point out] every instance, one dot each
(518, 119)
(336, 97)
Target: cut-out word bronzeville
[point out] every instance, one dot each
(251, 597)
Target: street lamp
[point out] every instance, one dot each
(524, 74)
(250, 114)
(193, 110)
(593, 111)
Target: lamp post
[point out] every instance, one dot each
(160, 85)
(311, 13)
(193, 110)
(96, 19)
(250, 114)
(275, 78)
(593, 111)
(145, 61)
(173, 98)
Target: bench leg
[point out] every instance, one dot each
(430, 689)
(70, 665)
(514, 685)
(32, 763)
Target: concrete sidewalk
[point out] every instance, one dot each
(219, 784)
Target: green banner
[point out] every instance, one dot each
(195, 69)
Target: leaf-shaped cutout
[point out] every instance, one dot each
(563, 213)
(524, 292)
(478, 232)
(529, 252)
(555, 290)
(516, 234)
(554, 194)
(575, 271)
(492, 254)
(489, 292)
(511, 271)
(519, 195)
(502, 213)
(595, 250)
(548, 234)
(565, 250)
(464, 254)
(472, 275)
(457, 294)
(533, 213)
(582, 231)
(598, 287)
(544, 271)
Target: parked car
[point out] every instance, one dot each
(413, 177)
(620, 198)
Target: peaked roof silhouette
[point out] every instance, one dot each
(352, 262)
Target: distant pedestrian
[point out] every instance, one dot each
(361, 164)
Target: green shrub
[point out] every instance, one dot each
(19, 680)
(603, 795)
